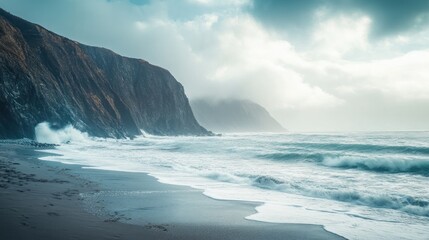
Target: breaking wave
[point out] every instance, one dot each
(223, 177)
(368, 162)
(408, 204)
(46, 134)
(266, 182)
(389, 165)
(292, 156)
(363, 148)
(351, 189)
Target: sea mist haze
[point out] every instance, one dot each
(358, 185)
(354, 65)
(306, 113)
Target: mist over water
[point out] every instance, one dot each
(358, 185)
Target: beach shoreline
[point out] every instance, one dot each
(51, 200)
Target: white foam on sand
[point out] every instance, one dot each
(287, 192)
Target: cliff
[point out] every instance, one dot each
(46, 77)
(234, 116)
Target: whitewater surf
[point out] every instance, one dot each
(358, 185)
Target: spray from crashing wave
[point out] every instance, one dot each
(45, 133)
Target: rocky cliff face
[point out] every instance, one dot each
(234, 115)
(158, 104)
(46, 77)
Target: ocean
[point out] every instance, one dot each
(370, 185)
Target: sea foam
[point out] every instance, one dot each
(392, 165)
(344, 183)
(377, 162)
(46, 134)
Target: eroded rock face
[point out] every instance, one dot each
(46, 77)
(156, 100)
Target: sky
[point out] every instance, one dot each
(316, 65)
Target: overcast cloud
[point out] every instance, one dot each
(317, 65)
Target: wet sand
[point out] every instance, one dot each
(49, 200)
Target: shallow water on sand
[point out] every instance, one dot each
(358, 185)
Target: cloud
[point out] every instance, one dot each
(401, 78)
(394, 16)
(336, 37)
(389, 17)
(338, 76)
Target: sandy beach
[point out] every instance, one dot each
(48, 200)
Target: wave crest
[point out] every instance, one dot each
(363, 148)
(223, 177)
(368, 162)
(266, 182)
(46, 134)
(293, 156)
(379, 164)
(408, 204)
